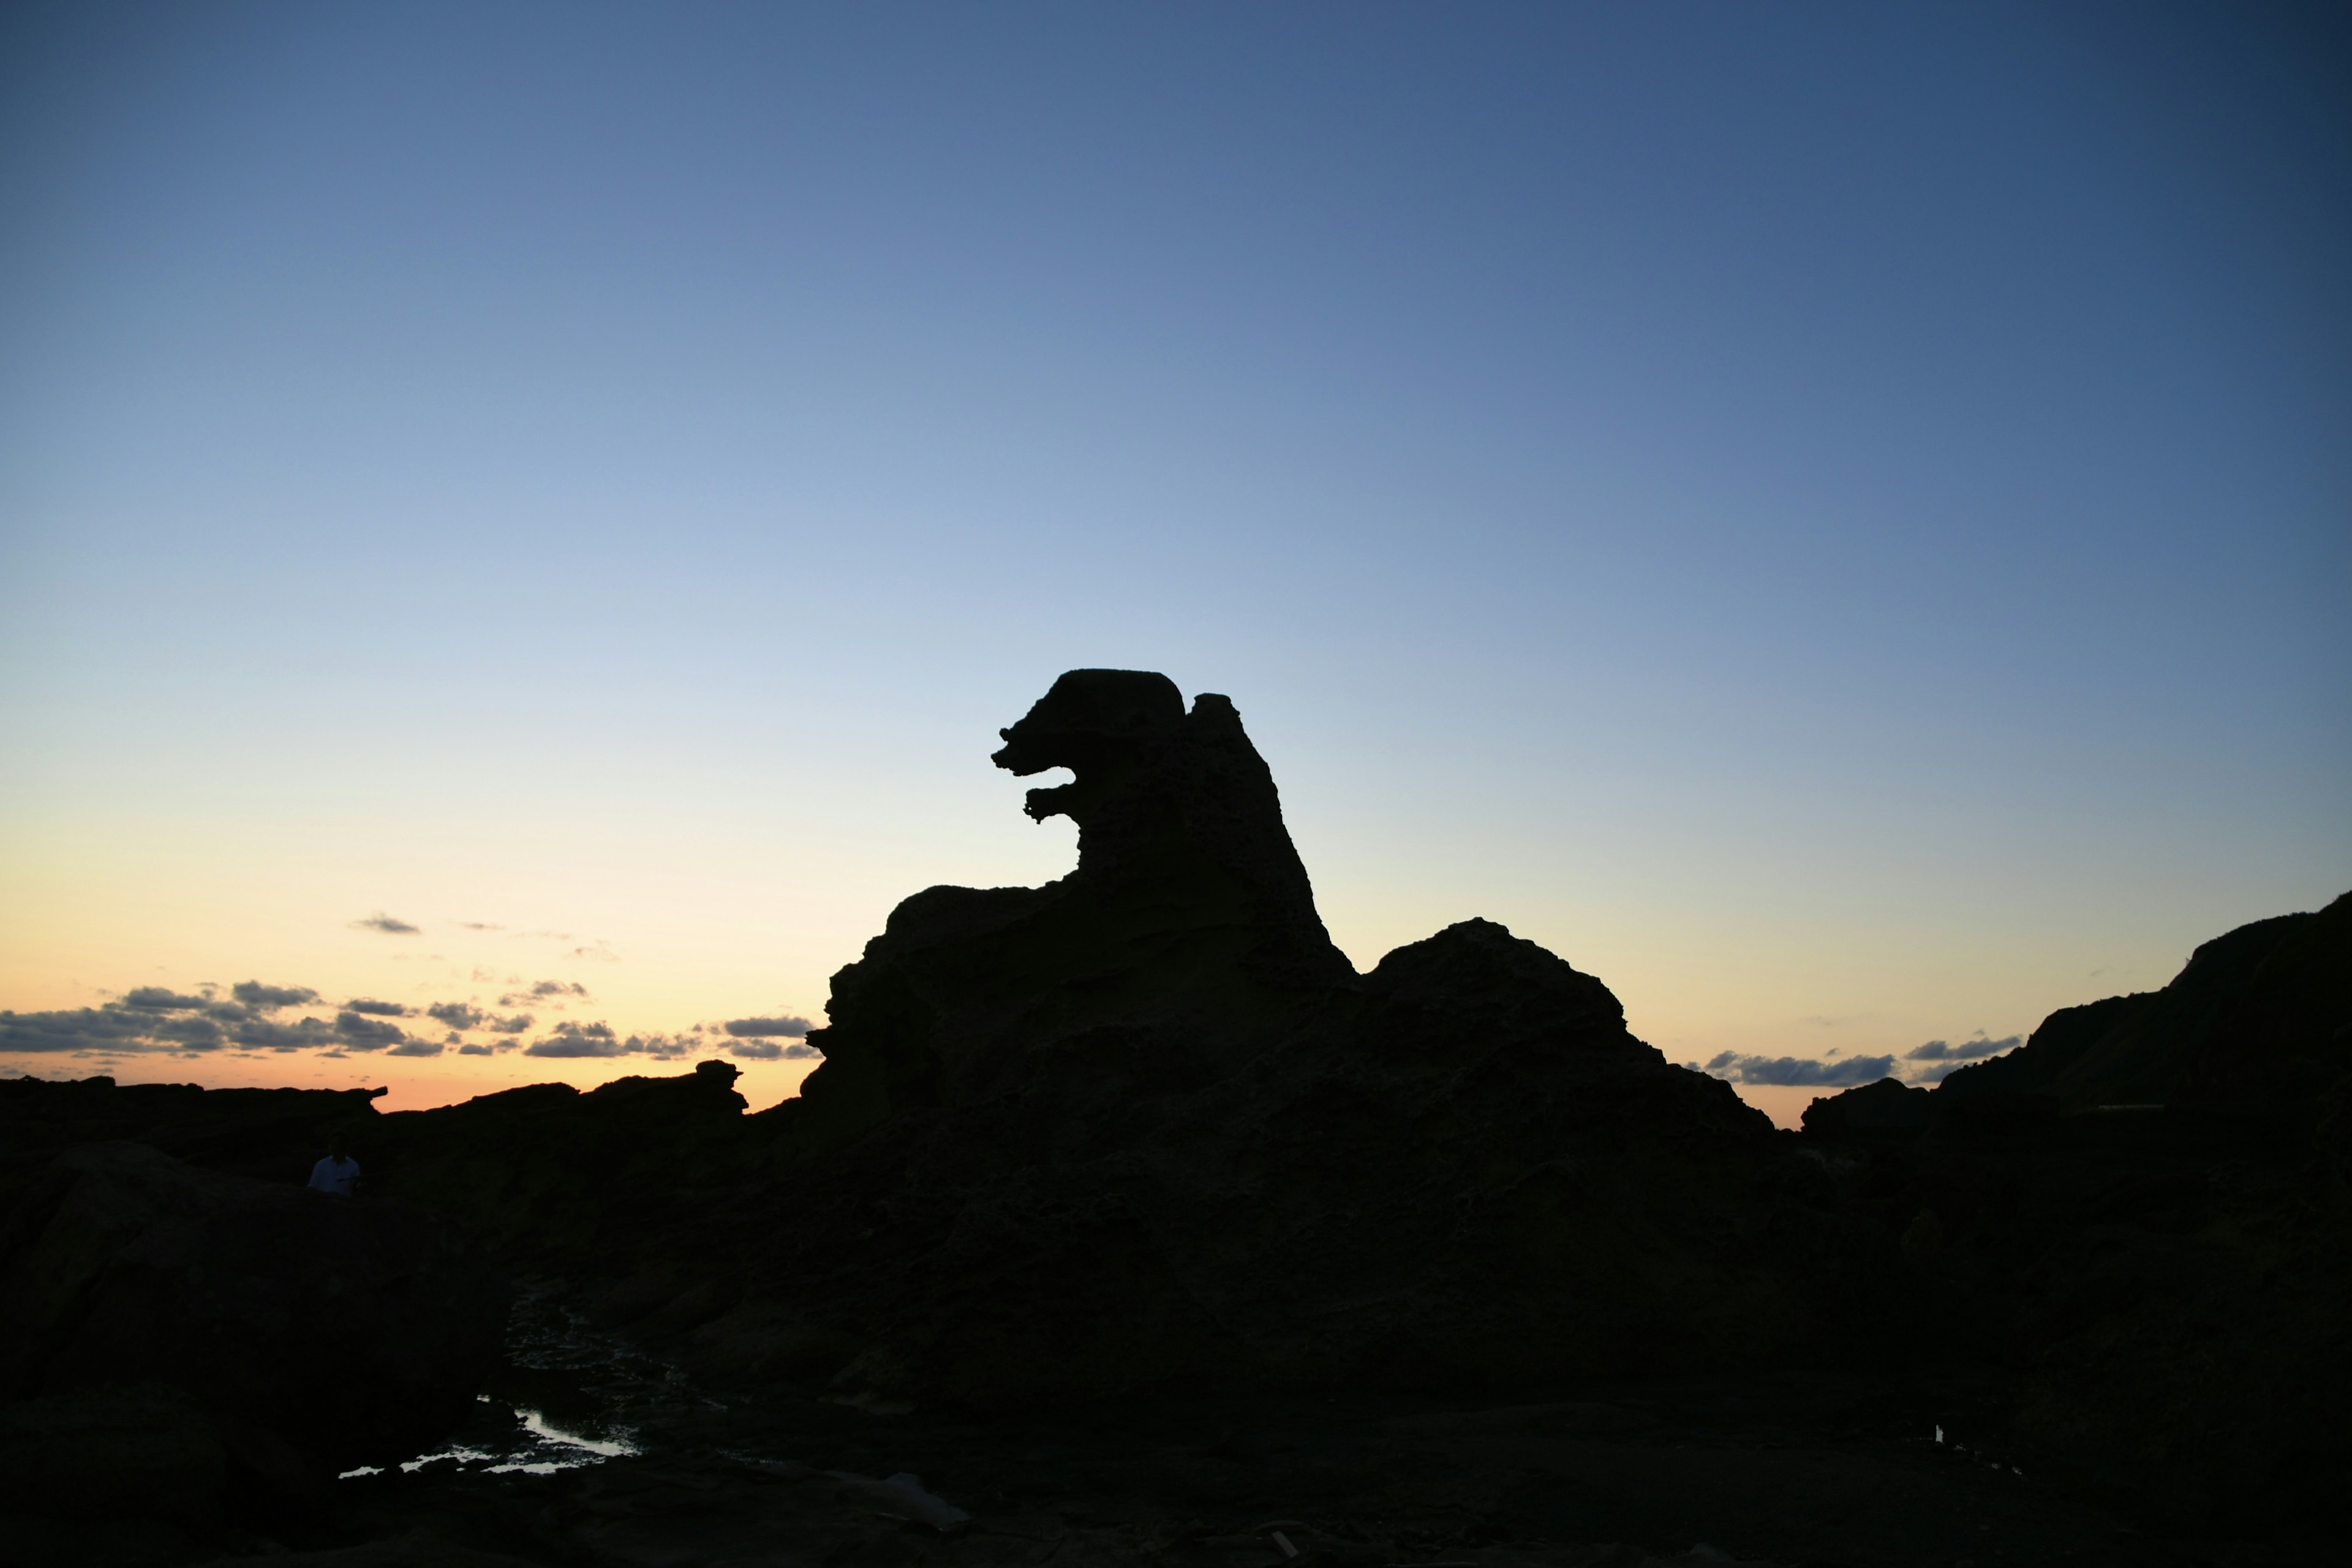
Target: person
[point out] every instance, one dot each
(337, 1175)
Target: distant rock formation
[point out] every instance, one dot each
(2144, 1209)
(2137, 1049)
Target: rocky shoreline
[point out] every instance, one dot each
(1125, 1222)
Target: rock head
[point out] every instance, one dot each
(1189, 915)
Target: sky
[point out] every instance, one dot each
(1834, 518)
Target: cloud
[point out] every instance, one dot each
(769, 1051)
(1966, 1051)
(388, 924)
(761, 1028)
(571, 1039)
(71, 1029)
(544, 990)
(158, 1021)
(1737, 1068)
(254, 994)
(479, 925)
(280, 1037)
(366, 1033)
(156, 999)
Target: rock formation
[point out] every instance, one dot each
(1189, 915)
(351, 1332)
(2144, 1208)
(1146, 1126)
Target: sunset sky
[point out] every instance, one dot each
(1835, 519)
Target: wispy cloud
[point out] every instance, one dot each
(555, 993)
(391, 925)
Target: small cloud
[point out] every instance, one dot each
(756, 1050)
(156, 999)
(415, 1048)
(479, 925)
(473, 1050)
(802, 1051)
(366, 1033)
(571, 1039)
(512, 1025)
(554, 992)
(1737, 1068)
(254, 994)
(1966, 1051)
(277, 1037)
(762, 1029)
(456, 1014)
(376, 1009)
(389, 925)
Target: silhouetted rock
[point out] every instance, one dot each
(1145, 1127)
(270, 1134)
(354, 1331)
(1887, 1106)
(2130, 1050)
(2280, 1048)
(554, 1179)
(1189, 912)
(2142, 1210)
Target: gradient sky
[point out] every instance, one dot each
(1835, 519)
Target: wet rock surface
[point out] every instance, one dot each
(1763, 1469)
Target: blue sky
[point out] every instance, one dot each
(1827, 513)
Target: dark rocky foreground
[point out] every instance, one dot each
(1142, 1229)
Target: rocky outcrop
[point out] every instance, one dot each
(2147, 1211)
(270, 1135)
(353, 1332)
(2137, 1049)
(1189, 913)
(1146, 1127)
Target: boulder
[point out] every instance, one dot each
(355, 1332)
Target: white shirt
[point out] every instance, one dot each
(336, 1176)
